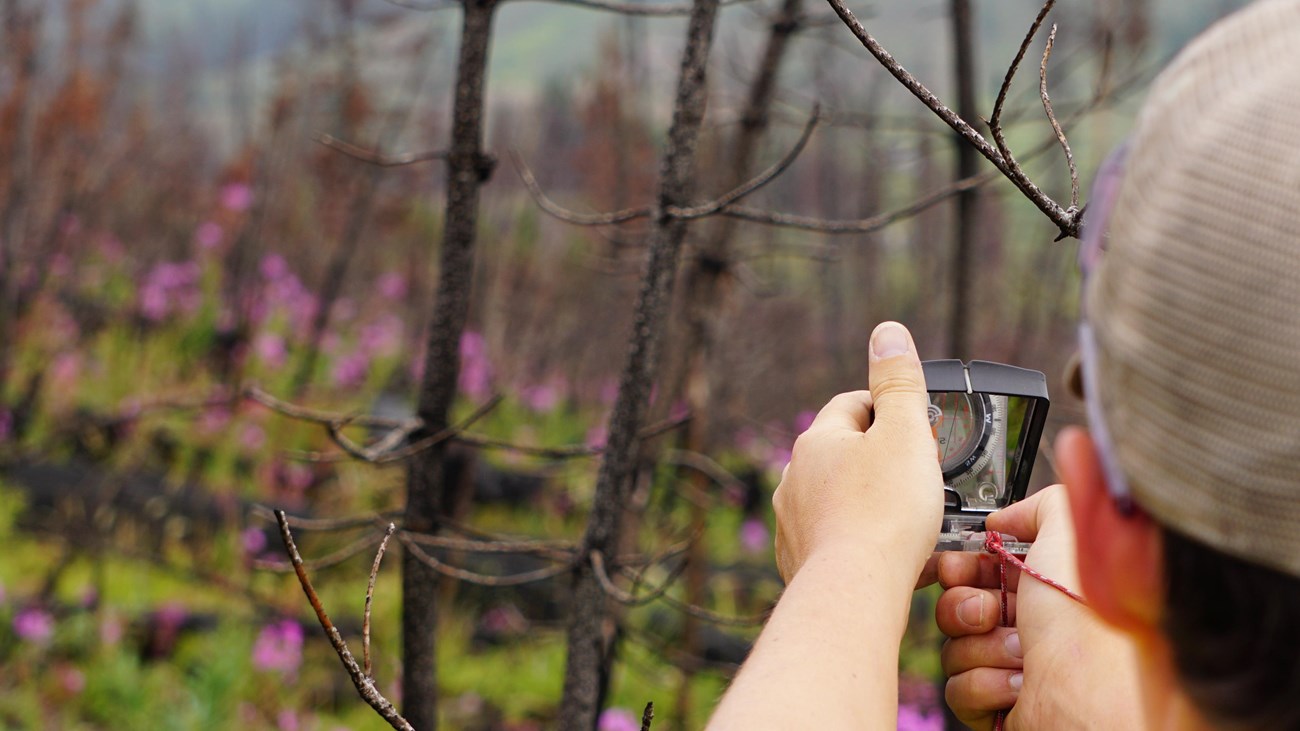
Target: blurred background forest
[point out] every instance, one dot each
(207, 221)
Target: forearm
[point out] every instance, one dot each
(828, 657)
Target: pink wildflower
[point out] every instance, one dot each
(252, 437)
(351, 370)
(270, 349)
(236, 197)
(911, 718)
(542, 399)
(208, 235)
(34, 625)
(803, 420)
(391, 285)
(253, 541)
(617, 719)
(754, 537)
(278, 648)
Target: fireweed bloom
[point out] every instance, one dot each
(617, 719)
(754, 537)
(34, 625)
(236, 197)
(208, 235)
(475, 369)
(391, 285)
(278, 648)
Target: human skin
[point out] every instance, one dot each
(858, 511)
(1059, 665)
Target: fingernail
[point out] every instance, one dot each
(1016, 680)
(971, 611)
(1012, 643)
(889, 340)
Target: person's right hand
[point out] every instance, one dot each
(1058, 666)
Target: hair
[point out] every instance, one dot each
(1234, 627)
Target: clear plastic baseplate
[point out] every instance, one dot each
(967, 533)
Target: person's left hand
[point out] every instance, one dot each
(865, 475)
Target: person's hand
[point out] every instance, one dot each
(1058, 665)
(865, 475)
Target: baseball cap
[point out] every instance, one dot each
(1195, 307)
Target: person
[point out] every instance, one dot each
(1179, 517)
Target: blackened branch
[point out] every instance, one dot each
(364, 684)
(647, 716)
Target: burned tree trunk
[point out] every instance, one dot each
(468, 167)
(707, 295)
(583, 672)
(964, 233)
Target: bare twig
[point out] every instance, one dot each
(758, 181)
(703, 464)
(644, 10)
(370, 595)
(556, 550)
(1066, 221)
(364, 684)
(333, 559)
(863, 225)
(647, 716)
(384, 450)
(578, 219)
(995, 120)
(473, 577)
(627, 598)
(376, 158)
(326, 418)
(685, 213)
(1051, 117)
(330, 524)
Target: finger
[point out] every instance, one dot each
(930, 572)
(1025, 518)
(982, 570)
(963, 611)
(998, 648)
(977, 693)
(850, 410)
(896, 379)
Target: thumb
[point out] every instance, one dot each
(897, 382)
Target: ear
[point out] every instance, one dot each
(1120, 557)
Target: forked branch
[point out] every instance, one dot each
(1066, 220)
(365, 685)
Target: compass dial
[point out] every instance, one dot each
(961, 424)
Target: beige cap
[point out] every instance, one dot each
(1196, 304)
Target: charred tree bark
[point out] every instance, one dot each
(582, 678)
(468, 168)
(707, 298)
(964, 233)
